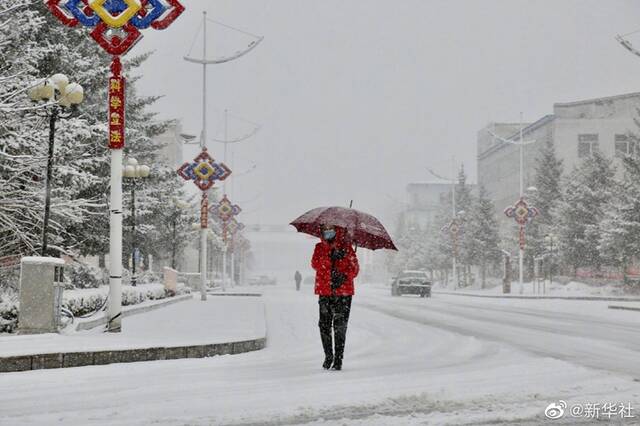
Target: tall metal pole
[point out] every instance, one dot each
(224, 189)
(233, 266)
(115, 244)
(47, 196)
(133, 232)
(173, 246)
(203, 143)
(521, 258)
(453, 216)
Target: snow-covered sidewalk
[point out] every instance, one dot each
(219, 320)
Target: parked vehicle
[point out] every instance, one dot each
(411, 282)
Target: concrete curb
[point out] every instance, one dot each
(236, 294)
(81, 359)
(594, 298)
(624, 308)
(128, 311)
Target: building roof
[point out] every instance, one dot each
(516, 136)
(598, 100)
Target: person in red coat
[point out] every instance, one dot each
(336, 266)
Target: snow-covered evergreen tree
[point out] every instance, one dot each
(39, 47)
(548, 182)
(587, 192)
(620, 228)
(482, 236)
(464, 205)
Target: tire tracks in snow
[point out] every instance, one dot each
(595, 353)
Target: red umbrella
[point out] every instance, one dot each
(365, 230)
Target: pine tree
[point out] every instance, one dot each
(620, 229)
(546, 198)
(483, 240)
(36, 46)
(587, 191)
(464, 205)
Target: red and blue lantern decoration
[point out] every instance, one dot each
(226, 211)
(523, 214)
(127, 16)
(204, 171)
(233, 227)
(454, 228)
(116, 26)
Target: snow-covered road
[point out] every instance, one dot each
(582, 332)
(408, 361)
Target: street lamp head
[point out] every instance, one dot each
(532, 189)
(144, 171)
(60, 82)
(129, 171)
(73, 93)
(47, 90)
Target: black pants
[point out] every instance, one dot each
(334, 317)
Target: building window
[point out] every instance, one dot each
(587, 144)
(624, 146)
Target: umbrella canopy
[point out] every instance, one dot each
(365, 230)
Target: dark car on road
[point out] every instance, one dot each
(411, 282)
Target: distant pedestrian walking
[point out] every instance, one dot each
(298, 278)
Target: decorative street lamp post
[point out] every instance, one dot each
(134, 172)
(523, 214)
(510, 211)
(116, 26)
(454, 228)
(233, 227)
(205, 61)
(551, 243)
(204, 171)
(63, 98)
(226, 212)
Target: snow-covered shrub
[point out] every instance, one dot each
(83, 302)
(8, 313)
(82, 275)
(149, 277)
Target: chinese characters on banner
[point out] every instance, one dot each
(204, 211)
(116, 112)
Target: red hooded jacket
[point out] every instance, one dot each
(321, 262)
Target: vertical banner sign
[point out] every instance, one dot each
(204, 211)
(116, 112)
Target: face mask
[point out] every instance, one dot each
(329, 234)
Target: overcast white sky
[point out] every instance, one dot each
(357, 98)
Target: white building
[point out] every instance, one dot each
(576, 129)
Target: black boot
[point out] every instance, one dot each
(340, 321)
(340, 337)
(327, 345)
